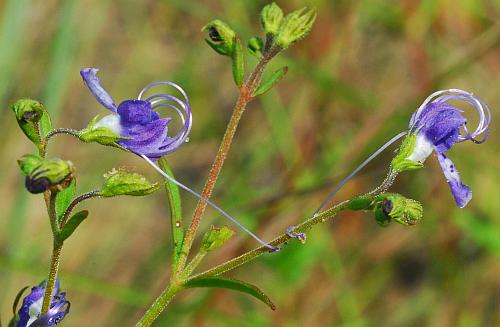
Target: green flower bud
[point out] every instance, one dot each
(216, 237)
(28, 113)
(271, 18)
(121, 182)
(255, 46)
(295, 26)
(403, 210)
(360, 202)
(401, 162)
(381, 218)
(221, 37)
(100, 134)
(28, 162)
(54, 174)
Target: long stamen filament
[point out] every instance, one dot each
(272, 248)
(361, 166)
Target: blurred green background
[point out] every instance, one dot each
(352, 84)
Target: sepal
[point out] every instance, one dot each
(28, 162)
(216, 237)
(401, 161)
(100, 134)
(256, 46)
(121, 182)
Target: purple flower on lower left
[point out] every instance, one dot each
(29, 313)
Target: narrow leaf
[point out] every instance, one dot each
(64, 199)
(231, 284)
(72, 224)
(271, 82)
(16, 300)
(238, 62)
(174, 203)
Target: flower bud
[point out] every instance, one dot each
(295, 26)
(271, 18)
(98, 133)
(28, 162)
(216, 237)
(221, 37)
(255, 46)
(54, 174)
(28, 113)
(403, 210)
(402, 162)
(121, 182)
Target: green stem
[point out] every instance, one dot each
(244, 98)
(76, 201)
(54, 132)
(193, 264)
(251, 255)
(50, 197)
(158, 306)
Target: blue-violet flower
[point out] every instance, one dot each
(137, 121)
(438, 126)
(29, 313)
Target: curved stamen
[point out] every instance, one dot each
(370, 158)
(180, 89)
(481, 107)
(272, 248)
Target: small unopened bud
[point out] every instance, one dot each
(220, 37)
(28, 113)
(271, 18)
(295, 26)
(121, 182)
(54, 174)
(256, 46)
(403, 210)
(216, 237)
(98, 133)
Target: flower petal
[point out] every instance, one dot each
(145, 139)
(136, 112)
(461, 192)
(90, 78)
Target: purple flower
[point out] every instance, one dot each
(29, 313)
(438, 126)
(144, 132)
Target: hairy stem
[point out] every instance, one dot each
(76, 201)
(158, 306)
(57, 131)
(56, 251)
(251, 255)
(244, 98)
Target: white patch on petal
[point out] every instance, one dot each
(423, 149)
(110, 121)
(34, 310)
(449, 171)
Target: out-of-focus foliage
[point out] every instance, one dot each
(352, 84)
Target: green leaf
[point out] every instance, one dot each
(238, 62)
(231, 284)
(16, 300)
(270, 82)
(72, 224)
(216, 237)
(175, 206)
(64, 199)
(45, 124)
